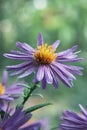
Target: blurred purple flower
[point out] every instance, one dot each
(9, 93)
(45, 123)
(17, 120)
(48, 64)
(74, 121)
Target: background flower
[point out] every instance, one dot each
(74, 121)
(9, 93)
(49, 65)
(17, 120)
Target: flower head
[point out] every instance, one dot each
(74, 121)
(17, 120)
(9, 93)
(48, 64)
(45, 55)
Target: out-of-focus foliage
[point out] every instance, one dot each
(22, 20)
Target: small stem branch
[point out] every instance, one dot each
(29, 93)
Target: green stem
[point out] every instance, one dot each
(29, 93)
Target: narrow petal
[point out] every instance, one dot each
(19, 71)
(55, 79)
(74, 69)
(56, 44)
(74, 121)
(4, 106)
(21, 121)
(6, 97)
(20, 68)
(18, 57)
(40, 73)
(4, 78)
(48, 75)
(40, 40)
(43, 83)
(15, 117)
(55, 83)
(28, 72)
(17, 52)
(84, 111)
(64, 79)
(69, 59)
(15, 89)
(68, 51)
(69, 55)
(63, 70)
(19, 65)
(24, 47)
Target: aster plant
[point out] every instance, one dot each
(74, 121)
(48, 65)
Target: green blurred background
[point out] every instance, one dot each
(22, 20)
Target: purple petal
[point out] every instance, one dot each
(20, 68)
(55, 83)
(15, 117)
(56, 44)
(84, 111)
(24, 47)
(48, 75)
(64, 79)
(63, 70)
(4, 78)
(28, 72)
(22, 65)
(21, 121)
(40, 73)
(43, 83)
(19, 71)
(74, 121)
(69, 55)
(17, 52)
(19, 57)
(68, 51)
(74, 69)
(15, 89)
(6, 97)
(55, 79)
(40, 40)
(3, 106)
(69, 60)
(72, 115)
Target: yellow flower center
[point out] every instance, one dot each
(45, 54)
(2, 90)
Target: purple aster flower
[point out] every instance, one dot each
(9, 93)
(74, 121)
(48, 65)
(17, 120)
(45, 124)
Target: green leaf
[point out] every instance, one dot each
(38, 94)
(33, 108)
